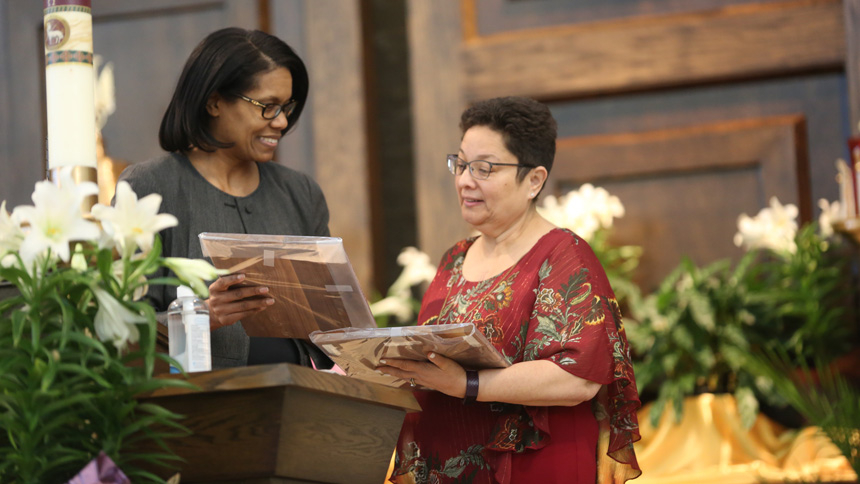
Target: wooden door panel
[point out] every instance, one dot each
(673, 216)
(684, 188)
(713, 46)
(817, 97)
(494, 16)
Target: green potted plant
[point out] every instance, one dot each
(690, 337)
(799, 287)
(77, 343)
(694, 333)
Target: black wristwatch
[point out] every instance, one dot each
(471, 387)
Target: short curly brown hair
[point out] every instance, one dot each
(527, 128)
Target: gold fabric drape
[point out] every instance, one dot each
(710, 446)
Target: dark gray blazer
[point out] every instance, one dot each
(287, 202)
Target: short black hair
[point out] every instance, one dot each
(527, 128)
(227, 61)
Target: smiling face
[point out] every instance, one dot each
(493, 205)
(240, 122)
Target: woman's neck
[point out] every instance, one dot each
(523, 232)
(493, 253)
(237, 178)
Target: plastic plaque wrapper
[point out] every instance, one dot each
(358, 350)
(310, 279)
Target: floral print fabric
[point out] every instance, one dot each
(554, 304)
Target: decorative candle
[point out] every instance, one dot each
(845, 179)
(854, 164)
(69, 80)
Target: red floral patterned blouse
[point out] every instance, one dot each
(554, 304)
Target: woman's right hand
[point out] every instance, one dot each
(228, 304)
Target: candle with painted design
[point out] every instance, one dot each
(847, 200)
(69, 83)
(69, 80)
(854, 154)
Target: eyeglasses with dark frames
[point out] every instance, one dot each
(479, 169)
(272, 110)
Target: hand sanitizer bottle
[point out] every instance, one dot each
(188, 332)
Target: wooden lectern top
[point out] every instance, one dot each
(284, 374)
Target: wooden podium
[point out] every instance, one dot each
(278, 424)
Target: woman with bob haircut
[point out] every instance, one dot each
(239, 93)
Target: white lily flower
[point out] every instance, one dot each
(73, 192)
(194, 272)
(830, 213)
(11, 234)
(114, 322)
(55, 218)
(417, 269)
(773, 228)
(583, 211)
(105, 241)
(8, 261)
(133, 223)
(399, 307)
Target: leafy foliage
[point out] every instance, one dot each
(691, 337)
(64, 395)
(695, 332)
(802, 297)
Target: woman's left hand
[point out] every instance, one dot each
(439, 373)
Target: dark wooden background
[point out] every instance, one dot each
(691, 111)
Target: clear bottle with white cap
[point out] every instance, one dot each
(188, 332)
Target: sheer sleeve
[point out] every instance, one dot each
(576, 323)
